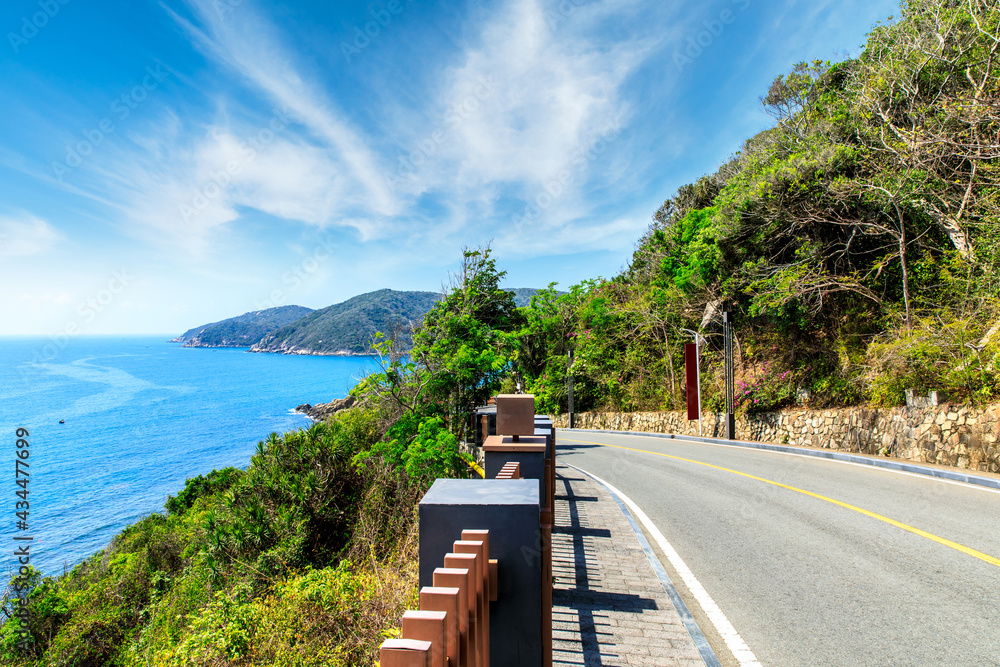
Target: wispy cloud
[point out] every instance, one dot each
(557, 89)
(188, 190)
(532, 92)
(26, 234)
(552, 127)
(249, 45)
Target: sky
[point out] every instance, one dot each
(168, 164)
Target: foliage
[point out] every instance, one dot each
(302, 558)
(856, 241)
(202, 485)
(330, 617)
(463, 348)
(423, 447)
(937, 353)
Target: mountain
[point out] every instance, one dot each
(522, 295)
(347, 328)
(242, 331)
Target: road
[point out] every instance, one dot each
(808, 581)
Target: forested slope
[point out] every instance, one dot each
(242, 331)
(350, 327)
(856, 241)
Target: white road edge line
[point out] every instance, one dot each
(733, 640)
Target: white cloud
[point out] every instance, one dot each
(26, 234)
(573, 237)
(530, 96)
(557, 90)
(193, 191)
(246, 43)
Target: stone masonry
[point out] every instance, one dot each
(953, 435)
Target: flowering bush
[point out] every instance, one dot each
(765, 388)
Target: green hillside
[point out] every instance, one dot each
(242, 331)
(857, 241)
(349, 327)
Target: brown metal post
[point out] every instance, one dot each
(510, 470)
(471, 563)
(445, 600)
(545, 523)
(458, 578)
(428, 626)
(404, 653)
(483, 536)
(555, 462)
(494, 570)
(548, 484)
(476, 548)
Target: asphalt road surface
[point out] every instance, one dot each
(874, 568)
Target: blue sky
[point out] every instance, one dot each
(166, 164)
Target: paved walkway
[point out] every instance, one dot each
(609, 607)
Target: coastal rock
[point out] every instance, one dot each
(321, 411)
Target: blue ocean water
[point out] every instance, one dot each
(141, 416)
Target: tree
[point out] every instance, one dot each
(463, 346)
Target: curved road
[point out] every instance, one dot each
(823, 579)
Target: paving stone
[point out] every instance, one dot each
(608, 605)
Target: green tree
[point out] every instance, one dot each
(463, 347)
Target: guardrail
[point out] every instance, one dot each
(452, 625)
(475, 609)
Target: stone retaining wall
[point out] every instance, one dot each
(475, 451)
(947, 434)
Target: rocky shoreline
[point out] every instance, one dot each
(195, 343)
(257, 348)
(322, 411)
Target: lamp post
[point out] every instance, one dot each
(569, 381)
(697, 360)
(727, 326)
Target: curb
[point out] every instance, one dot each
(914, 468)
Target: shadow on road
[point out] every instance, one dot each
(582, 597)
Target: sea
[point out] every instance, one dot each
(117, 424)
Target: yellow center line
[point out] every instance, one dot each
(892, 522)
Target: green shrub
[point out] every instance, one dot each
(202, 485)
